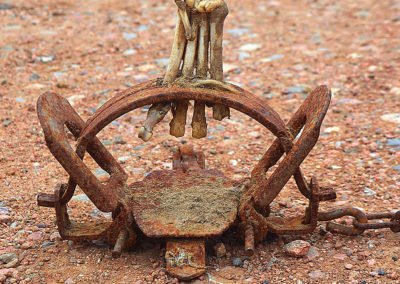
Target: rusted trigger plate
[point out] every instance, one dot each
(186, 259)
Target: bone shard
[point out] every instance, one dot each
(178, 123)
(155, 114)
(199, 122)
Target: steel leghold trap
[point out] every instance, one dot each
(184, 205)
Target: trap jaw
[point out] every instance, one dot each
(190, 203)
(184, 205)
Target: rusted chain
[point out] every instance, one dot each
(361, 221)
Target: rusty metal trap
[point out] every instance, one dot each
(188, 204)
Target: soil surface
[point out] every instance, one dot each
(87, 51)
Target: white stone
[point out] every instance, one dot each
(391, 117)
(250, 47)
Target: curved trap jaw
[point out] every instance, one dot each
(190, 203)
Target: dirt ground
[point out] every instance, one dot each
(277, 49)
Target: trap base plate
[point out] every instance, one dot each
(198, 203)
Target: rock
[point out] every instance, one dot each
(12, 264)
(227, 274)
(101, 174)
(36, 236)
(5, 219)
(73, 99)
(220, 250)
(61, 85)
(393, 276)
(348, 266)
(348, 101)
(237, 262)
(250, 47)
(81, 197)
(26, 245)
(238, 32)
(395, 258)
(8, 257)
(5, 211)
(20, 100)
(47, 244)
(391, 117)
(142, 28)
(244, 55)
(233, 163)
(312, 253)
(8, 272)
(316, 274)
(34, 77)
(395, 91)
(273, 58)
(6, 6)
(46, 59)
(69, 281)
(230, 67)
(6, 122)
(129, 52)
(297, 248)
(129, 36)
(340, 256)
(333, 129)
(296, 90)
(393, 142)
(369, 192)
(123, 159)
(381, 272)
(371, 262)
(140, 78)
(118, 140)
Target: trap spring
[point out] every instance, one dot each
(184, 205)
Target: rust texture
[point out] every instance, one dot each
(186, 259)
(186, 201)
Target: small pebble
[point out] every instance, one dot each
(381, 272)
(348, 266)
(237, 262)
(220, 250)
(297, 248)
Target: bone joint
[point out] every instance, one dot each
(197, 53)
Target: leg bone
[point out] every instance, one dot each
(178, 48)
(217, 19)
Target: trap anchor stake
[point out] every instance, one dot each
(184, 205)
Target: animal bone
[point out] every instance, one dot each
(193, 42)
(191, 48)
(178, 123)
(217, 18)
(203, 48)
(178, 49)
(199, 121)
(158, 111)
(155, 114)
(208, 6)
(185, 18)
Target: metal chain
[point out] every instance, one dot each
(361, 221)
